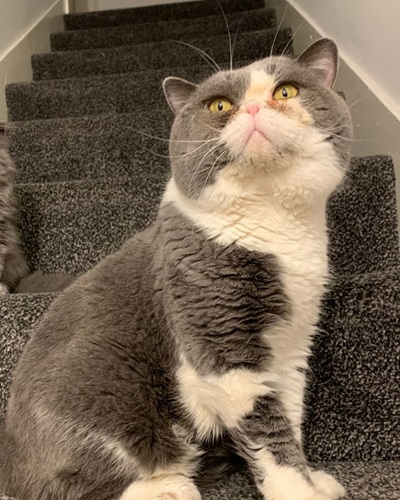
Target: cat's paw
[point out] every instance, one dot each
(3, 289)
(169, 487)
(184, 492)
(327, 484)
(287, 483)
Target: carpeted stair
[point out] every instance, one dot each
(90, 175)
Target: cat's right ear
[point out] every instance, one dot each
(177, 91)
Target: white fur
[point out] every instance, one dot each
(261, 85)
(216, 401)
(286, 483)
(280, 212)
(164, 487)
(327, 484)
(270, 199)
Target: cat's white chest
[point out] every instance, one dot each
(299, 246)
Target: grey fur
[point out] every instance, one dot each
(193, 121)
(12, 262)
(40, 283)
(101, 368)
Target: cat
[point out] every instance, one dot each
(198, 329)
(38, 282)
(13, 265)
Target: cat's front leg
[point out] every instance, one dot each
(267, 441)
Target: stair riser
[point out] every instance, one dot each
(75, 149)
(190, 10)
(155, 32)
(249, 46)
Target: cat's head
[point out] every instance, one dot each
(275, 125)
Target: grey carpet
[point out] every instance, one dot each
(94, 95)
(59, 236)
(101, 38)
(127, 59)
(158, 13)
(87, 180)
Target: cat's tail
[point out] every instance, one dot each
(38, 282)
(7, 457)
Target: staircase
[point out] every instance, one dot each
(90, 176)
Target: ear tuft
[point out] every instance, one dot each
(322, 57)
(177, 91)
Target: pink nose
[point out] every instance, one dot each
(252, 108)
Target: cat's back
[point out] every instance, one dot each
(110, 303)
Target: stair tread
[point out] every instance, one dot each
(60, 237)
(126, 59)
(132, 34)
(95, 94)
(168, 12)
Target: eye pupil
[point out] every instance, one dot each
(285, 92)
(220, 106)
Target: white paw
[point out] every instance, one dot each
(327, 484)
(183, 492)
(286, 483)
(3, 289)
(169, 487)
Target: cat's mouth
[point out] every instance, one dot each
(256, 135)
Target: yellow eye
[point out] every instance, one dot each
(285, 92)
(220, 105)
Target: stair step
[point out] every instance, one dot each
(352, 402)
(362, 218)
(127, 59)
(68, 226)
(138, 92)
(111, 145)
(189, 10)
(163, 30)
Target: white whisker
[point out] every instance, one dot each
(287, 46)
(201, 161)
(234, 41)
(275, 38)
(169, 140)
(229, 37)
(209, 173)
(202, 53)
(182, 155)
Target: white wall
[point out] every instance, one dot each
(17, 17)
(25, 27)
(84, 5)
(368, 36)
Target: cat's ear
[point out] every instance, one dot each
(322, 57)
(177, 91)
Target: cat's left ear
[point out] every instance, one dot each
(322, 57)
(177, 91)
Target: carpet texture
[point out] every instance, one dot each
(127, 59)
(157, 31)
(156, 13)
(89, 176)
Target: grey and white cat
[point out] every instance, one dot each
(12, 261)
(198, 329)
